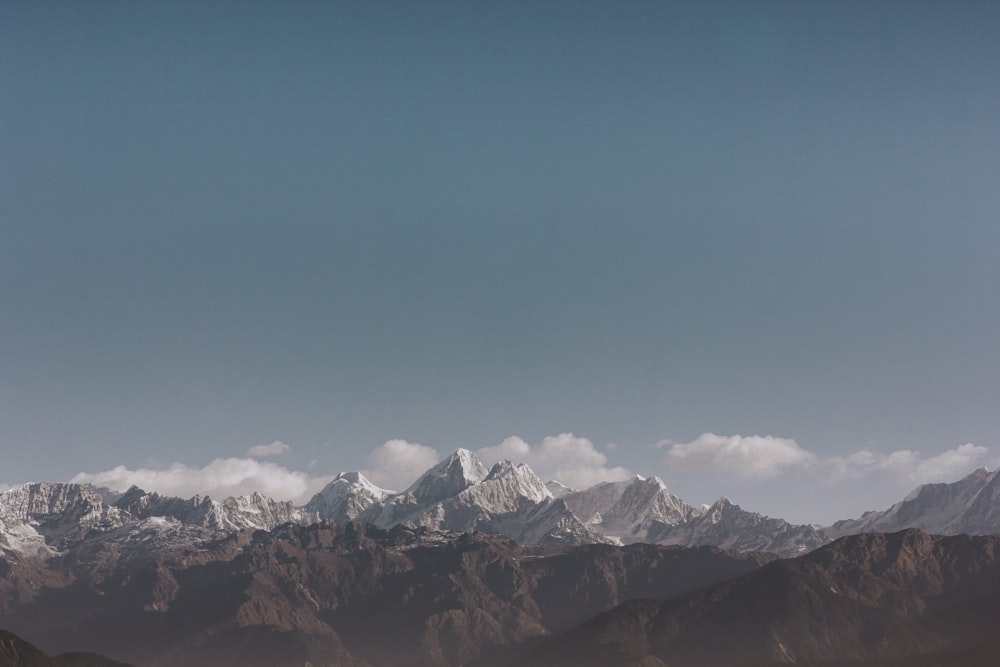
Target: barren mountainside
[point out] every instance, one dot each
(875, 599)
(347, 594)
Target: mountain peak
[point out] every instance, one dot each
(518, 480)
(507, 468)
(355, 478)
(449, 478)
(652, 481)
(722, 503)
(346, 497)
(558, 489)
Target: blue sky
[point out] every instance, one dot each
(335, 225)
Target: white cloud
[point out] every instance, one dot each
(854, 465)
(951, 463)
(220, 478)
(397, 463)
(572, 460)
(276, 448)
(947, 466)
(744, 455)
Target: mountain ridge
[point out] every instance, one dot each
(461, 494)
(905, 598)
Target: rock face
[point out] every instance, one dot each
(970, 506)
(643, 510)
(730, 527)
(251, 511)
(348, 594)
(906, 598)
(49, 519)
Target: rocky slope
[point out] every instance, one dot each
(728, 526)
(49, 519)
(969, 506)
(349, 594)
(874, 599)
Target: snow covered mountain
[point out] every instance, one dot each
(460, 494)
(643, 510)
(250, 511)
(346, 497)
(970, 506)
(728, 526)
(457, 494)
(628, 510)
(49, 519)
(46, 519)
(448, 478)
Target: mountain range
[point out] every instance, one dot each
(900, 599)
(490, 566)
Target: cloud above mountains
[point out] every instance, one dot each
(572, 460)
(219, 478)
(745, 455)
(761, 457)
(397, 463)
(911, 465)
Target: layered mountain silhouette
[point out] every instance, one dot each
(346, 594)
(905, 598)
(476, 566)
(458, 494)
(969, 506)
(16, 652)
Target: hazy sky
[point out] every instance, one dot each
(333, 225)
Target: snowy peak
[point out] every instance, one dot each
(508, 483)
(355, 478)
(49, 518)
(971, 505)
(728, 526)
(448, 478)
(721, 505)
(627, 510)
(142, 504)
(255, 511)
(350, 483)
(41, 499)
(558, 489)
(346, 497)
(597, 500)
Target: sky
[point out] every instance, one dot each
(751, 248)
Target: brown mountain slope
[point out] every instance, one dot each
(342, 595)
(904, 598)
(16, 652)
